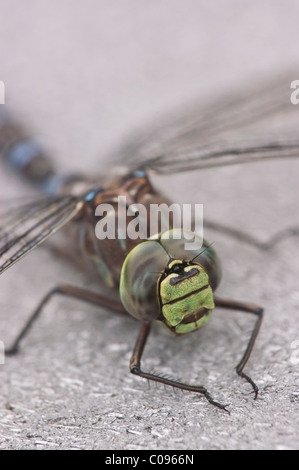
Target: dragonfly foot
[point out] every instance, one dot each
(11, 351)
(215, 403)
(255, 390)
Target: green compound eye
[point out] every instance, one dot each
(160, 281)
(139, 279)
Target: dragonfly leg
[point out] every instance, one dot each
(247, 308)
(71, 291)
(135, 368)
(249, 239)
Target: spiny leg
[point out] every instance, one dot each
(247, 308)
(70, 291)
(249, 239)
(135, 368)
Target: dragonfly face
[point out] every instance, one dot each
(186, 297)
(160, 280)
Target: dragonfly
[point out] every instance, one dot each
(154, 277)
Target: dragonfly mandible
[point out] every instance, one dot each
(154, 277)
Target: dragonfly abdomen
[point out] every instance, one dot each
(22, 153)
(26, 157)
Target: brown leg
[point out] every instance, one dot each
(248, 239)
(247, 308)
(71, 291)
(136, 369)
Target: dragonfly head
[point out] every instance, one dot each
(186, 296)
(157, 285)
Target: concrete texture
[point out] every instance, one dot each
(82, 75)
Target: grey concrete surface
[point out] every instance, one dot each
(82, 75)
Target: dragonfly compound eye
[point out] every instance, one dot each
(139, 279)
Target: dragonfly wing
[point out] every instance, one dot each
(203, 131)
(213, 156)
(24, 228)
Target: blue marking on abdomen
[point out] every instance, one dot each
(22, 153)
(139, 173)
(90, 196)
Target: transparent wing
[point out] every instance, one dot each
(30, 224)
(258, 124)
(223, 155)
